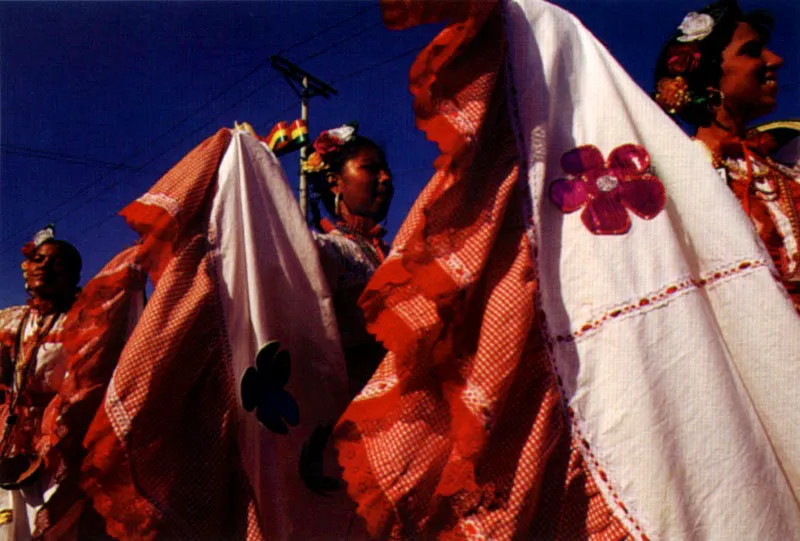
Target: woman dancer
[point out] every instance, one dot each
(56, 357)
(718, 75)
(354, 184)
(235, 270)
(574, 317)
(32, 368)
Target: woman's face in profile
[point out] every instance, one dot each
(749, 74)
(365, 183)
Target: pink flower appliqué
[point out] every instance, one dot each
(608, 189)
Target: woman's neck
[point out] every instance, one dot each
(51, 305)
(361, 224)
(725, 125)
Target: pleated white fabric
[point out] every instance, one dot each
(273, 288)
(677, 349)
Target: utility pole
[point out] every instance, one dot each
(306, 86)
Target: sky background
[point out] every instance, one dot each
(99, 99)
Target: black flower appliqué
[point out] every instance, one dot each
(312, 462)
(263, 389)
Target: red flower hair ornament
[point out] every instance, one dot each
(608, 189)
(683, 58)
(326, 143)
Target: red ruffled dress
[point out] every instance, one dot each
(770, 195)
(65, 360)
(32, 359)
(416, 460)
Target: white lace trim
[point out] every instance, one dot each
(161, 200)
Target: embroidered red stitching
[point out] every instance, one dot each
(593, 464)
(648, 301)
(660, 296)
(529, 204)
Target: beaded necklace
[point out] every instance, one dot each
(24, 367)
(369, 239)
(771, 172)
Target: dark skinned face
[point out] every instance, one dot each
(749, 81)
(365, 184)
(48, 274)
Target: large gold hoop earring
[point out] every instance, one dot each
(337, 201)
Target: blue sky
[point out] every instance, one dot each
(99, 99)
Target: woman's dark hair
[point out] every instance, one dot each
(727, 15)
(320, 189)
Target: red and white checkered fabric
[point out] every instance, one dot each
(163, 458)
(74, 365)
(461, 432)
(645, 394)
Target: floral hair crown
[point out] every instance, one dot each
(29, 249)
(326, 144)
(683, 59)
(46, 233)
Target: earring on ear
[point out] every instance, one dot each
(337, 201)
(714, 96)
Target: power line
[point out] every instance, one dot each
(347, 38)
(277, 115)
(59, 157)
(186, 135)
(327, 29)
(378, 64)
(176, 125)
(108, 217)
(157, 156)
(115, 214)
(266, 61)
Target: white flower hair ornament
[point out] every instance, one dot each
(46, 233)
(343, 133)
(29, 249)
(328, 142)
(696, 26)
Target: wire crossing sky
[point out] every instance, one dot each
(99, 99)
